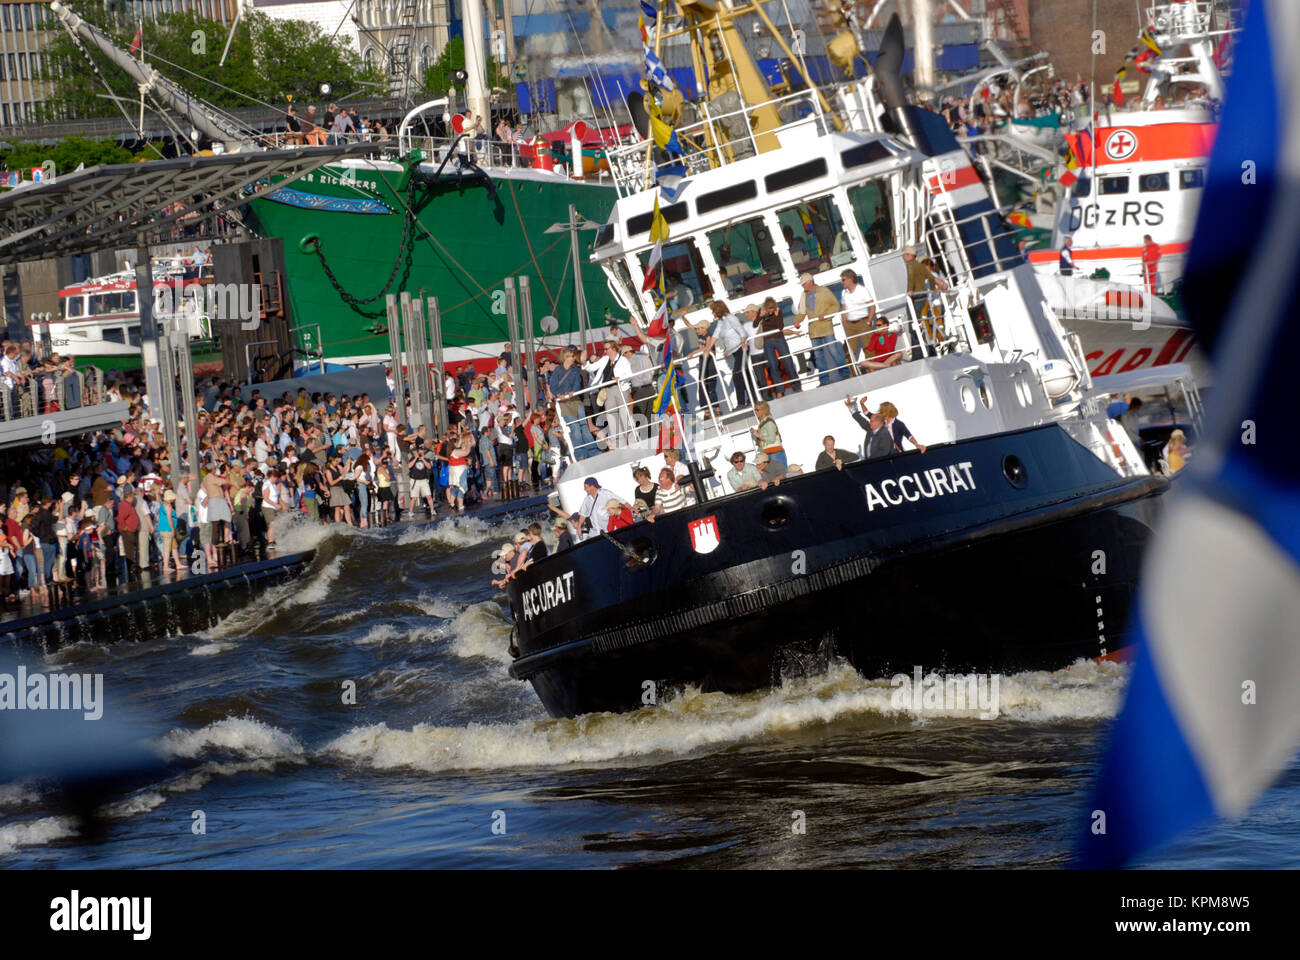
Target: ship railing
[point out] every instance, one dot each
(45, 392)
(707, 396)
(711, 141)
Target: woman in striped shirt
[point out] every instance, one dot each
(669, 496)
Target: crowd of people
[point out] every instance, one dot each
(21, 368)
(333, 127)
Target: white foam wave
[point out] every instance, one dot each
(36, 833)
(694, 721)
(440, 607)
(18, 794)
(311, 588)
(212, 649)
(452, 532)
(202, 775)
(139, 803)
(241, 735)
(295, 534)
(481, 630)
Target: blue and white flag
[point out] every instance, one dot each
(671, 178)
(654, 69)
(650, 10)
(1212, 714)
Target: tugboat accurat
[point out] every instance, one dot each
(1010, 541)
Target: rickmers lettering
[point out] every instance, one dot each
(548, 595)
(935, 482)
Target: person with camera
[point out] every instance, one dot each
(419, 473)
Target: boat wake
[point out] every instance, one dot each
(693, 722)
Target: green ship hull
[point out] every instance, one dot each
(465, 239)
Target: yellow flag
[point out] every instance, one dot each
(658, 225)
(660, 129)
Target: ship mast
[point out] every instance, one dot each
(476, 96)
(202, 116)
(923, 47)
(734, 81)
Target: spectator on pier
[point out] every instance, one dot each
(620, 515)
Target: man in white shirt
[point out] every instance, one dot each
(859, 316)
(610, 372)
(594, 507)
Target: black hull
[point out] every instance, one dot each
(1031, 571)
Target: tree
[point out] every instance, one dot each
(438, 79)
(269, 62)
(67, 154)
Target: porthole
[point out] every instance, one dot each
(1014, 470)
(986, 395)
(777, 511)
(967, 399)
(642, 553)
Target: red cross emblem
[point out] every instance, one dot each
(1121, 145)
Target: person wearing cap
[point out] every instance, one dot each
(503, 564)
(920, 278)
(828, 352)
(593, 513)
(769, 469)
(564, 535)
(744, 476)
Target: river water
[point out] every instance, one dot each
(445, 761)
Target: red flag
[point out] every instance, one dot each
(1117, 94)
(1067, 179)
(659, 322)
(138, 42)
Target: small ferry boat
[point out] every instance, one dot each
(1023, 487)
(99, 318)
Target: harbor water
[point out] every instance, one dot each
(443, 760)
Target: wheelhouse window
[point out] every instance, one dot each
(1191, 179)
(102, 304)
(1082, 187)
(872, 210)
(1113, 185)
(814, 232)
(683, 277)
(746, 258)
(74, 307)
(1153, 182)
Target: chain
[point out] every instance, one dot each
(408, 218)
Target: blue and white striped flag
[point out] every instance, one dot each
(671, 178)
(1212, 714)
(654, 69)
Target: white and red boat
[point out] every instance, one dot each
(1141, 174)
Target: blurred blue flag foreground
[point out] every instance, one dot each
(1213, 707)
